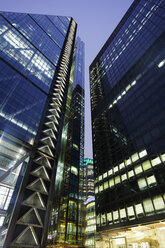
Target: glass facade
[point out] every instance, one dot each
(127, 97)
(36, 55)
(89, 202)
(67, 214)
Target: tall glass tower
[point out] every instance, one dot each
(67, 215)
(36, 64)
(128, 104)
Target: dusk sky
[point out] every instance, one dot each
(96, 20)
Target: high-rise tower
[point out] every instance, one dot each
(36, 64)
(128, 104)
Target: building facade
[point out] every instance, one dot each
(89, 198)
(67, 220)
(36, 61)
(127, 97)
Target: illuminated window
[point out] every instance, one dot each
(110, 172)
(139, 209)
(106, 185)
(117, 179)
(116, 169)
(151, 181)
(103, 219)
(98, 219)
(142, 153)
(138, 169)
(74, 170)
(124, 177)
(163, 157)
(121, 166)
(158, 203)
(148, 207)
(130, 212)
(135, 157)
(109, 218)
(130, 173)
(155, 161)
(146, 165)
(96, 190)
(142, 183)
(105, 175)
(111, 183)
(115, 215)
(122, 214)
(128, 161)
(101, 188)
(100, 178)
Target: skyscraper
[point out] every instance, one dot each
(127, 97)
(90, 214)
(37, 64)
(67, 218)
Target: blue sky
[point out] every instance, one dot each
(96, 20)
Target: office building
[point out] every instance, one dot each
(128, 104)
(67, 218)
(37, 64)
(89, 197)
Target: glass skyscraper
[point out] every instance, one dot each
(40, 82)
(128, 104)
(89, 197)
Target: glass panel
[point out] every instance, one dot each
(142, 183)
(146, 165)
(158, 203)
(121, 166)
(135, 157)
(111, 183)
(130, 212)
(148, 207)
(138, 169)
(117, 179)
(151, 181)
(124, 177)
(142, 153)
(106, 185)
(130, 173)
(139, 210)
(155, 161)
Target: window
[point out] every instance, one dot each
(142, 153)
(155, 161)
(109, 218)
(106, 185)
(110, 172)
(96, 190)
(98, 219)
(117, 179)
(115, 169)
(142, 183)
(74, 170)
(103, 219)
(100, 178)
(139, 210)
(130, 173)
(146, 165)
(101, 188)
(130, 212)
(111, 183)
(122, 214)
(135, 157)
(105, 175)
(116, 216)
(124, 177)
(138, 169)
(148, 207)
(121, 166)
(151, 181)
(128, 161)
(159, 203)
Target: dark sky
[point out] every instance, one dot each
(96, 20)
